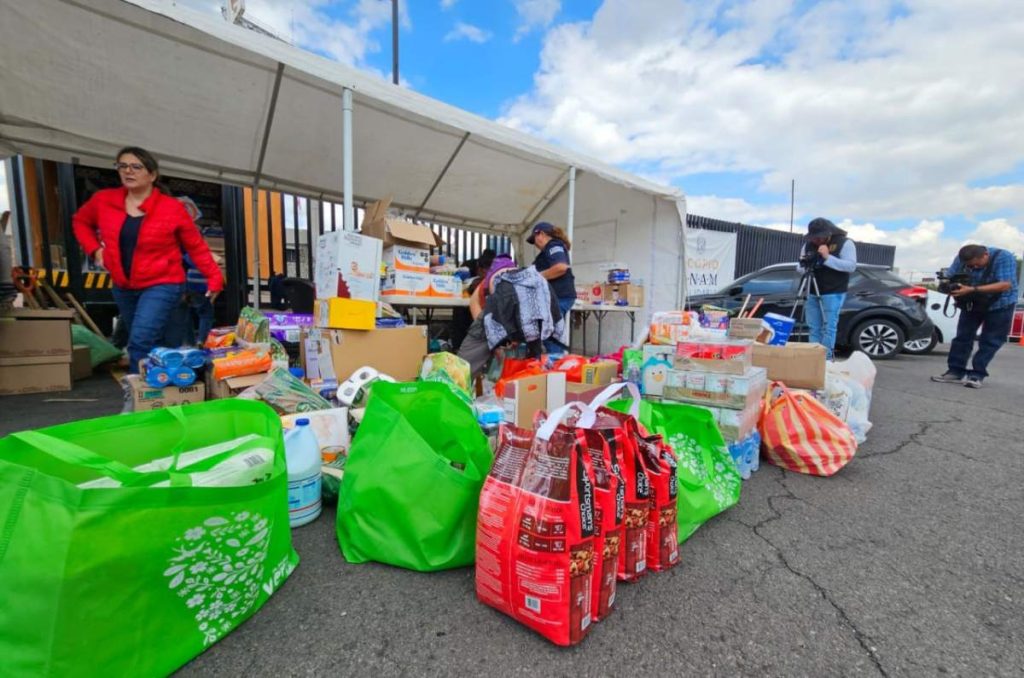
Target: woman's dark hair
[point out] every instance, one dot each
(148, 161)
(969, 253)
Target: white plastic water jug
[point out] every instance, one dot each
(303, 454)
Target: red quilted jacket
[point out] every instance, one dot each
(166, 230)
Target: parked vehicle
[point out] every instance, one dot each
(881, 313)
(945, 326)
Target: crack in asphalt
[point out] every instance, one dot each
(862, 638)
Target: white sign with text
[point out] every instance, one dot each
(710, 260)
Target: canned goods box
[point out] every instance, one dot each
(731, 391)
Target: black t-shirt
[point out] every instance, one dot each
(129, 238)
(556, 253)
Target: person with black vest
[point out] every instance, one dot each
(831, 257)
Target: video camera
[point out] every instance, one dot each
(811, 260)
(951, 282)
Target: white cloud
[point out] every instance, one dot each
(999, 233)
(464, 31)
(535, 14)
(448, 4)
(880, 110)
(308, 24)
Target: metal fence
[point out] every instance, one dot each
(757, 247)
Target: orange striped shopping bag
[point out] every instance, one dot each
(800, 434)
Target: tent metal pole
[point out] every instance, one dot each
(256, 185)
(572, 202)
(346, 154)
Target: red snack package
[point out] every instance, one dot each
(609, 508)
(662, 531)
(535, 530)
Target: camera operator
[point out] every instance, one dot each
(831, 257)
(986, 300)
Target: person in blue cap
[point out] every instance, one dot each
(553, 263)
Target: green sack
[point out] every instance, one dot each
(709, 482)
(412, 480)
(100, 350)
(135, 580)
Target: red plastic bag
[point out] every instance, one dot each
(609, 507)
(572, 365)
(535, 530)
(516, 368)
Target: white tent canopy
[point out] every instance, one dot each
(217, 102)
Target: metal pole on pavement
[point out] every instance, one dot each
(572, 203)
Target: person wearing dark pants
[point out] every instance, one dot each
(987, 301)
(553, 264)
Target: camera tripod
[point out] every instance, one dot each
(808, 283)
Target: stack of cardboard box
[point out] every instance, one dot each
(35, 351)
(406, 255)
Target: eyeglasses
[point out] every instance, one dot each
(133, 166)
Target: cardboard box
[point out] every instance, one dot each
(622, 294)
(336, 354)
(347, 265)
(394, 231)
(732, 356)
(26, 333)
(732, 391)
(218, 389)
(796, 365)
(145, 398)
(584, 393)
(525, 397)
(635, 295)
(406, 284)
(602, 372)
(748, 328)
(345, 314)
(406, 258)
(445, 287)
(35, 375)
(81, 362)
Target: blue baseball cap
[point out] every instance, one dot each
(542, 227)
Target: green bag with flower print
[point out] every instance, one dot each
(709, 482)
(121, 555)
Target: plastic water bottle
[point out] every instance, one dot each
(302, 452)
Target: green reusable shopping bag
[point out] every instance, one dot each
(135, 580)
(412, 481)
(708, 480)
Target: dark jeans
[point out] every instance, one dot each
(145, 313)
(181, 329)
(995, 327)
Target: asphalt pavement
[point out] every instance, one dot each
(908, 562)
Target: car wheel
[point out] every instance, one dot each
(880, 339)
(922, 346)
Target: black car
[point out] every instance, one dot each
(881, 311)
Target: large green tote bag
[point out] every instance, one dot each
(709, 482)
(135, 580)
(412, 481)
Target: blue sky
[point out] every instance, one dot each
(899, 119)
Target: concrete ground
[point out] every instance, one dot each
(909, 562)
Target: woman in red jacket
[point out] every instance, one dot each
(137, 233)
